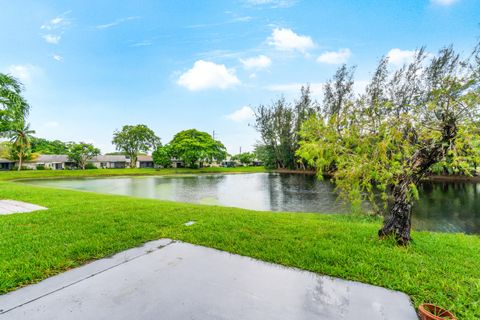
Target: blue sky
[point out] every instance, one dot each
(90, 67)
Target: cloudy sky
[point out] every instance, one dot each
(91, 67)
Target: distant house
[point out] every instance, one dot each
(145, 162)
(177, 163)
(110, 161)
(6, 164)
(50, 161)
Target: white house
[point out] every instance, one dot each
(110, 161)
(50, 161)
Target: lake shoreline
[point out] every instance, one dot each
(434, 178)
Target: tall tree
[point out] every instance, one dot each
(133, 140)
(20, 136)
(386, 140)
(13, 106)
(44, 146)
(196, 147)
(245, 158)
(162, 156)
(278, 125)
(81, 152)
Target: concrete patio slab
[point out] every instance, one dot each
(174, 280)
(13, 206)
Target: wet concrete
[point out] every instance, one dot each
(13, 206)
(174, 280)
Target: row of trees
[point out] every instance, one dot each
(13, 113)
(279, 125)
(193, 147)
(380, 144)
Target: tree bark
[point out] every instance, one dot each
(398, 220)
(20, 158)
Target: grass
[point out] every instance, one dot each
(80, 226)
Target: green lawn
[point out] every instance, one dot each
(81, 226)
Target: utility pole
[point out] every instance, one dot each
(240, 150)
(213, 134)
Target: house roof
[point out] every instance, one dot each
(144, 158)
(109, 158)
(2, 160)
(50, 158)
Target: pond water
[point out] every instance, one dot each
(447, 207)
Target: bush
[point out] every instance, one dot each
(41, 167)
(90, 166)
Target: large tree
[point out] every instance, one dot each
(133, 140)
(279, 124)
(162, 156)
(195, 147)
(13, 106)
(44, 146)
(81, 152)
(245, 158)
(20, 136)
(387, 139)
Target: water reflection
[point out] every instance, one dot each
(449, 207)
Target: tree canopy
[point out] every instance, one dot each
(133, 140)
(81, 152)
(384, 141)
(13, 106)
(44, 146)
(195, 147)
(245, 157)
(279, 125)
(20, 138)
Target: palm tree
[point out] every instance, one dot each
(13, 107)
(21, 138)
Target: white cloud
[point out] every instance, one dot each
(23, 72)
(271, 3)
(115, 23)
(55, 27)
(59, 22)
(51, 38)
(335, 57)
(242, 114)
(57, 57)
(142, 44)
(443, 2)
(206, 75)
(258, 62)
(286, 39)
(398, 57)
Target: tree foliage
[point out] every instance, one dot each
(44, 146)
(13, 106)
(81, 152)
(279, 125)
(162, 156)
(387, 139)
(245, 157)
(195, 147)
(133, 140)
(20, 138)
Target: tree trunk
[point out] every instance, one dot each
(20, 158)
(398, 220)
(133, 161)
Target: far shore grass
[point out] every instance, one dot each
(81, 226)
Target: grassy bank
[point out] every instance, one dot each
(81, 226)
(44, 174)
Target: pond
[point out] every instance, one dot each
(447, 207)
